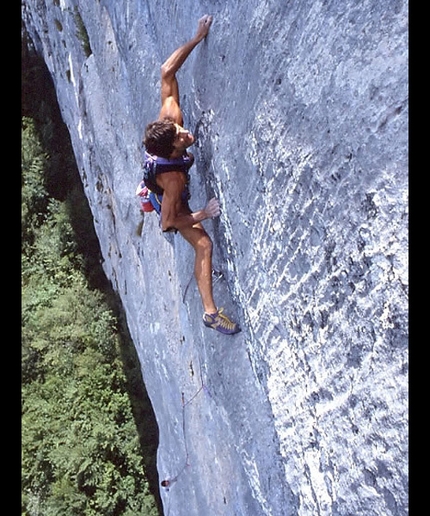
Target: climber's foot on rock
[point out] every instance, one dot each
(220, 322)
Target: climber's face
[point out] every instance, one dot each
(184, 138)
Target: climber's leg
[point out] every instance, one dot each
(202, 244)
(212, 318)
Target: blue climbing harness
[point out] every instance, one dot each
(155, 165)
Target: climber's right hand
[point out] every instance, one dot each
(212, 208)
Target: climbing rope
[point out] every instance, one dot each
(216, 276)
(168, 482)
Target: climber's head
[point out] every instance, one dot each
(163, 137)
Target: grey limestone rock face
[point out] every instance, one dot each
(300, 113)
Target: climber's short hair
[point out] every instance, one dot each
(159, 137)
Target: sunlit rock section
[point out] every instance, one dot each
(300, 112)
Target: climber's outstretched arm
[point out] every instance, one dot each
(169, 84)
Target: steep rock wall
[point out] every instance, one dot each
(300, 113)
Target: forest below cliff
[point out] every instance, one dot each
(89, 436)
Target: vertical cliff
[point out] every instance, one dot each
(300, 112)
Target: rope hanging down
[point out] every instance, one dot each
(168, 482)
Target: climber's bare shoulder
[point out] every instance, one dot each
(171, 109)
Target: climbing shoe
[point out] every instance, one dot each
(220, 322)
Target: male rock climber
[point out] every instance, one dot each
(166, 142)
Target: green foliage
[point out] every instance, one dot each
(81, 453)
(34, 197)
